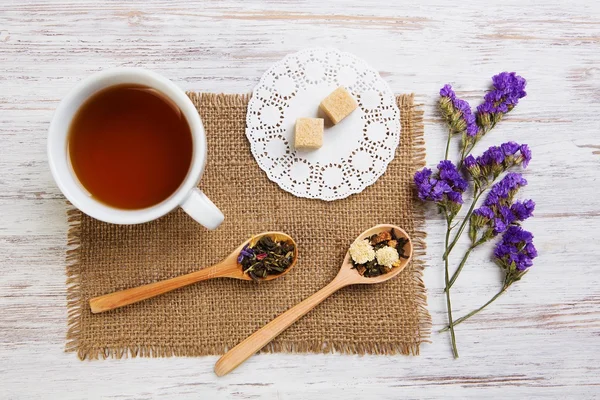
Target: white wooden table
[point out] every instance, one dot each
(542, 339)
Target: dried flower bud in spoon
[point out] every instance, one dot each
(378, 254)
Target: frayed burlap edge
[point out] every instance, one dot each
(419, 236)
(219, 99)
(74, 300)
(73, 270)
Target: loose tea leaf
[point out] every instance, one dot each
(400, 243)
(266, 257)
(388, 248)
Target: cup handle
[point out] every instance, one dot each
(204, 211)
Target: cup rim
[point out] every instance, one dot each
(58, 132)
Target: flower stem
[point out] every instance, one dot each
(448, 302)
(448, 144)
(460, 267)
(463, 225)
(463, 154)
(469, 315)
(464, 259)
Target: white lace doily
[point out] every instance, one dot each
(355, 152)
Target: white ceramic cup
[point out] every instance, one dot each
(187, 196)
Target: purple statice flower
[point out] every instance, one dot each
(515, 252)
(498, 213)
(447, 91)
(457, 112)
(523, 209)
(498, 159)
(455, 197)
(445, 187)
(525, 155)
(504, 218)
(499, 226)
(469, 161)
(468, 116)
(508, 89)
(245, 252)
(426, 186)
(471, 165)
(502, 192)
(511, 85)
(510, 148)
(493, 155)
(450, 174)
(513, 180)
(485, 212)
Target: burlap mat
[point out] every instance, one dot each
(212, 316)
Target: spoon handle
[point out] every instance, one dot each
(259, 339)
(133, 295)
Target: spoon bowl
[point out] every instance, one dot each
(346, 276)
(228, 268)
(276, 236)
(358, 278)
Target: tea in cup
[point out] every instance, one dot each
(127, 146)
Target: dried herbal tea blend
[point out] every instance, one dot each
(266, 257)
(378, 254)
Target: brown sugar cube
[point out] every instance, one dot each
(338, 105)
(308, 133)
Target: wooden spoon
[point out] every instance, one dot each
(228, 268)
(346, 276)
